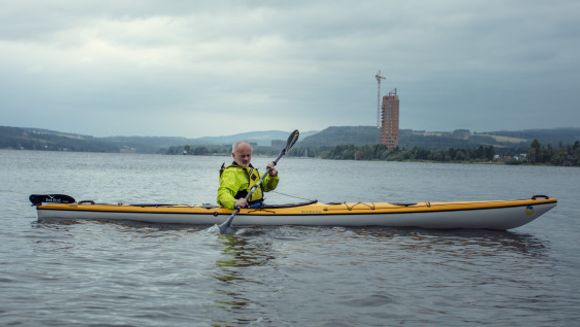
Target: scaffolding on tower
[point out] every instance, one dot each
(379, 77)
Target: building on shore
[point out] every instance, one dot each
(389, 120)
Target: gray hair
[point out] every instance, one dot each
(238, 143)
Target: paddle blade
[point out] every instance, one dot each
(292, 139)
(226, 229)
(37, 199)
(226, 226)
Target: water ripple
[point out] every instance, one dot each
(133, 274)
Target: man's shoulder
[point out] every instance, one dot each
(231, 170)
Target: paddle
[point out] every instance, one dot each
(38, 199)
(225, 228)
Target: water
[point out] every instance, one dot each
(105, 274)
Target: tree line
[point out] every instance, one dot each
(380, 152)
(561, 155)
(214, 150)
(536, 153)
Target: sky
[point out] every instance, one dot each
(208, 68)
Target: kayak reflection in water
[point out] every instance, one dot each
(237, 179)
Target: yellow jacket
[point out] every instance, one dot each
(236, 182)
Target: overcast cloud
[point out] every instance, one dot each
(197, 68)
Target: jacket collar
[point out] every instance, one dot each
(236, 165)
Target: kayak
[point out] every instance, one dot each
(496, 214)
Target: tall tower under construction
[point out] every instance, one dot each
(389, 127)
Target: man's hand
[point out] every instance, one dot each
(272, 171)
(241, 203)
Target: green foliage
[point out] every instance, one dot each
(337, 135)
(200, 150)
(562, 155)
(307, 151)
(380, 152)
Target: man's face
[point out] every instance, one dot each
(243, 154)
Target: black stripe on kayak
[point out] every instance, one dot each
(352, 213)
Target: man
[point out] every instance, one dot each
(237, 179)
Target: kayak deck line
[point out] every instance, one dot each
(493, 214)
(273, 214)
(312, 209)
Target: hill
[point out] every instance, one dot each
(363, 135)
(337, 135)
(144, 144)
(263, 138)
(42, 139)
(566, 135)
(461, 138)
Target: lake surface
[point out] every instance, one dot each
(106, 274)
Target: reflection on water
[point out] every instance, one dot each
(61, 274)
(248, 274)
(236, 271)
(243, 252)
(394, 269)
(459, 243)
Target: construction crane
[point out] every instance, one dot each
(379, 77)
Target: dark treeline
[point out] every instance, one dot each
(562, 155)
(202, 150)
(211, 150)
(536, 153)
(380, 152)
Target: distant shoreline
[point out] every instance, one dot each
(500, 163)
